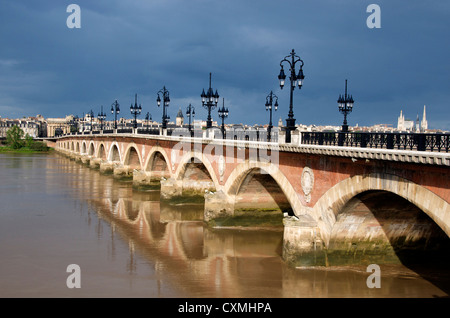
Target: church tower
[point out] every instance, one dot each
(424, 123)
(180, 118)
(401, 121)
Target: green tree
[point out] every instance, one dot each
(14, 137)
(29, 141)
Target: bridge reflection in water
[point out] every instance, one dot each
(207, 262)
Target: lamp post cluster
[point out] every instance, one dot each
(91, 115)
(148, 117)
(101, 116)
(190, 112)
(345, 104)
(223, 113)
(166, 100)
(115, 109)
(135, 110)
(209, 101)
(269, 104)
(296, 79)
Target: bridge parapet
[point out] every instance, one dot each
(397, 155)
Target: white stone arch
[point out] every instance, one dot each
(72, 146)
(331, 203)
(237, 176)
(84, 148)
(77, 147)
(151, 155)
(179, 173)
(127, 153)
(91, 144)
(97, 152)
(110, 151)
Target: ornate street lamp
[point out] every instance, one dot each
(101, 116)
(135, 110)
(209, 101)
(148, 117)
(295, 80)
(345, 104)
(166, 100)
(190, 112)
(223, 113)
(115, 109)
(91, 115)
(269, 102)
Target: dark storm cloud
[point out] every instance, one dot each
(128, 47)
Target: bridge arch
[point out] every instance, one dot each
(72, 147)
(114, 154)
(101, 151)
(83, 148)
(331, 203)
(132, 157)
(157, 154)
(77, 147)
(195, 155)
(91, 149)
(238, 175)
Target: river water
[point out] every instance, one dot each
(55, 212)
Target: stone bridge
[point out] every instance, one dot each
(331, 200)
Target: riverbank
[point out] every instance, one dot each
(44, 150)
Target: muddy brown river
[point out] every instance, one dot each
(55, 212)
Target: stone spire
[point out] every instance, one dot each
(424, 123)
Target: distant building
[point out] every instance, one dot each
(180, 118)
(424, 123)
(30, 126)
(58, 126)
(409, 125)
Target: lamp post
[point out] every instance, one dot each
(115, 109)
(190, 112)
(269, 101)
(223, 113)
(91, 114)
(166, 100)
(101, 116)
(148, 117)
(345, 104)
(209, 101)
(295, 79)
(135, 110)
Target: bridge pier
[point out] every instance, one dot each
(302, 243)
(217, 205)
(121, 171)
(95, 163)
(85, 159)
(171, 188)
(107, 167)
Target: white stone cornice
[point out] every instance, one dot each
(356, 153)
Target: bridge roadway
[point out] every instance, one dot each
(326, 192)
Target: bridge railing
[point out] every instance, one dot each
(402, 141)
(438, 142)
(151, 131)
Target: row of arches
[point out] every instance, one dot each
(193, 166)
(252, 182)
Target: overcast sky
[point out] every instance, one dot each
(137, 46)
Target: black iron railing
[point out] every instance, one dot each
(148, 131)
(438, 142)
(125, 131)
(403, 141)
